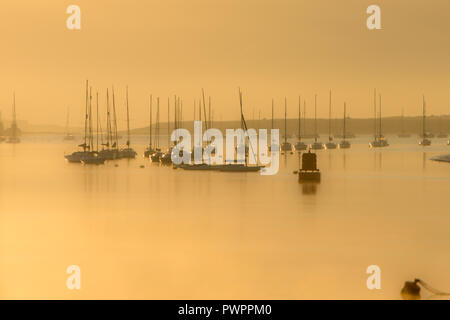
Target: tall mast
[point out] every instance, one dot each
(345, 116)
(168, 122)
(97, 121)
(304, 116)
(329, 120)
(380, 118)
(204, 109)
(272, 112)
(157, 122)
(108, 121)
(86, 117)
(375, 114)
(315, 118)
(151, 102)
(285, 120)
(128, 122)
(116, 138)
(423, 118)
(240, 104)
(91, 138)
(299, 118)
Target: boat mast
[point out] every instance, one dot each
(116, 137)
(97, 121)
(108, 121)
(128, 122)
(151, 102)
(204, 109)
(299, 118)
(86, 117)
(157, 122)
(375, 114)
(345, 116)
(168, 122)
(329, 120)
(304, 117)
(315, 118)
(91, 129)
(272, 113)
(423, 117)
(285, 120)
(380, 136)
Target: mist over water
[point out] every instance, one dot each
(160, 233)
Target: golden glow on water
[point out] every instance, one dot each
(161, 233)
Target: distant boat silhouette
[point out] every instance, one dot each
(88, 155)
(68, 136)
(285, 146)
(128, 152)
(344, 144)
(157, 154)
(14, 130)
(379, 141)
(300, 145)
(150, 150)
(273, 147)
(330, 144)
(167, 156)
(424, 142)
(316, 145)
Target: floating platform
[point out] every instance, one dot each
(309, 176)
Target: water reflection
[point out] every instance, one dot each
(309, 188)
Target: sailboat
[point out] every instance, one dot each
(300, 145)
(156, 156)
(2, 138)
(316, 145)
(77, 156)
(241, 167)
(128, 152)
(344, 144)
(379, 141)
(285, 146)
(93, 156)
(403, 134)
(14, 130)
(424, 142)
(330, 144)
(110, 152)
(150, 150)
(273, 147)
(167, 157)
(68, 135)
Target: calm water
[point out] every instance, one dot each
(158, 233)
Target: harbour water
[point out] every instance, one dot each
(160, 233)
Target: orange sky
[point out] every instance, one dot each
(270, 48)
